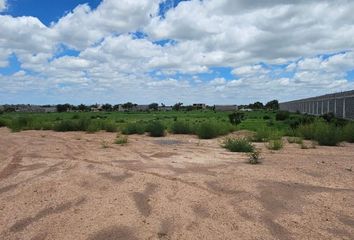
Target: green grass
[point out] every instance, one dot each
(238, 145)
(296, 140)
(205, 124)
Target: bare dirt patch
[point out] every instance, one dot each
(178, 187)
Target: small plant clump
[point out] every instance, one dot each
(104, 144)
(282, 115)
(134, 128)
(156, 129)
(254, 157)
(181, 127)
(238, 145)
(275, 144)
(121, 140)
(296, 140)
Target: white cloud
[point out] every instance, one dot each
(249, 37)
(3, 5)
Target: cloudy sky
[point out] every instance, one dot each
(212, 51)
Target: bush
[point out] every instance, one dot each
(324, 133)
(282, 115)
(108, 126)
(238, 145)
(134, 128)
(156, 129)
(72, 125)
(296, 140)
(266, 117)
(180, 127)
(121, 140)
(348, 133)
(327, 134)
(3, 123)
(265, 134)
(209, 130)
(275, 144)
(20, 123)
(254, 157)
(236, 118)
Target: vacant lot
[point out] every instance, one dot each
(83, 186)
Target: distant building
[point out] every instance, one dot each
(33, 108)
(225, 108)
(246, 110)
(165, 108)
(199, 105)
(141, 108)
(98, 108)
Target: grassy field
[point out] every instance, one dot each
(207, 124)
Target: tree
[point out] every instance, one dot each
(128, 105)
(177, 106)
(63, 107)
(272, 105)
(256, 105)
(154, 106)
(82, 107)
(236, 118)
(107, 107)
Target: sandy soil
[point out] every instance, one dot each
(82, 186)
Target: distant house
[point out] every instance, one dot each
(97, 108)
(246, 110)
(199, 105)
(225, 108)
(141, 108)
(165, 108)
(33, 108)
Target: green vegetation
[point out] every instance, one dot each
(275, 144)
(254, 157)
(238, 145)
(267, 125)
(297, 140)
(209, 130)
(121, 140)
(181, 127)
(156, 129)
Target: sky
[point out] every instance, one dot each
(168, 51)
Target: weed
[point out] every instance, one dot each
(121, 140)
(134, 128)
(104, 144)
(156, 129)
(254, 157)
(181, 127)
(348, 133)
(238, 145)
(296, 140)
(209, 130)
(282, 115)
(275, 144)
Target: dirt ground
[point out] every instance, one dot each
(82, 186)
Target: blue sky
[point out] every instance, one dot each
(216, 51)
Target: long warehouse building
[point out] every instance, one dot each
(340, 104)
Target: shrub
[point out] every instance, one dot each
(156, 129)
(236, 118)
(254, 157)
(121, 140)
(93, 127)
(180, 127)
(348, 133)
(20, 123)
(266, 117)
(3, 123)
(275, 144)
(282, 115)
(324, 133)
(209, 130)
(265, 134)
(134, 128)
(72, 125)
(296, 140)
(108, 126)
(327, 134)
(238, 145)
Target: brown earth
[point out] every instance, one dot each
(82, 186)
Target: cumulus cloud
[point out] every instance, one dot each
(275, 49)
(3, 5)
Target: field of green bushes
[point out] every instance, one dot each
(269, 126)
